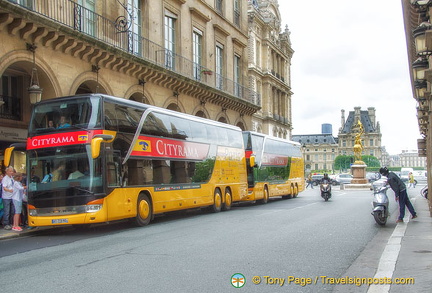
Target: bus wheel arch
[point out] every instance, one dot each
(144, 210)
(296, 190)
(216, 207)
(227, 203)
(266, 195)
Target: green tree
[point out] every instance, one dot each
(343, 162)
(371, 161)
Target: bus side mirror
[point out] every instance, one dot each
(252, 161)
(8, 155)
(96, 143)
(95, 147)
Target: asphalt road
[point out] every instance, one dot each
(303, 240)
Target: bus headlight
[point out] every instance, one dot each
(32, 210)
(94, 206)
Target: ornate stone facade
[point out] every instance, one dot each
(269, 73)
(190, 56)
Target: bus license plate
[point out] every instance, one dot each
(59, 221)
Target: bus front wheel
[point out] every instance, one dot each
(144, 211)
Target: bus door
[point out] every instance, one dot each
(15, 156)
(119, 200)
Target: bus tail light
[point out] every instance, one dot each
(94, 206)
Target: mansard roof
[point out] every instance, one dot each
(314, 139)
(365, 120)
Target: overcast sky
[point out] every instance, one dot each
(347, 55)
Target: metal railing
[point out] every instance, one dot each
(79, 18)
(11, 109)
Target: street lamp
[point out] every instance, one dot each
(35, 91)
(419, 34)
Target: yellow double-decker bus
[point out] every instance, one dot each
(97, 158)
(275, 167)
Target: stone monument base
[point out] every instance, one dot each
(359, 174)
(351, 186)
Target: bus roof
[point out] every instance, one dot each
(139, 105)
(273, 138)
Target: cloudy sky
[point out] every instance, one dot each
(347, 55)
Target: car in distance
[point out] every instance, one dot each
(316, 179)
(344, 178)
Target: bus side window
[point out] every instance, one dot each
(112, 178)
(161, 172)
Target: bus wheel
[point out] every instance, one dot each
(144, 211)
(217, 205)
(265, 198)
(228, 201)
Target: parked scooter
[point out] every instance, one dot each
(380, 204)
(325, 188)
(424, 192)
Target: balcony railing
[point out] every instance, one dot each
(79, 18)
(11, 109)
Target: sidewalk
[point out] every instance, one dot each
(415, 256)
(8, 234)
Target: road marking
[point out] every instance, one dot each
(284, 210)
(387, 263)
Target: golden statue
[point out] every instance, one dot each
(358, 147)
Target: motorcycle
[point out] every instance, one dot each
(325, 188)
(380, 204)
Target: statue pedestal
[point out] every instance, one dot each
(359, 174)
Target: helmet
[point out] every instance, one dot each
(384, 171)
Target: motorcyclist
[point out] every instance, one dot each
(326, 179)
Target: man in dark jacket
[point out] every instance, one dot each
(399, 189)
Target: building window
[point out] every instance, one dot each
(11, 94)
(219, 66)
(134, 34)
(237, 13)
(237, 88)
(197, 53)
(219, 6)
(86, 18)
(258, 54)
(371, 142)
(170, 34)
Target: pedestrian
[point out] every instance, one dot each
(411, 180)
(17, 199)
(7, 192)
(401, 195)
(1, 199)
(24, 213)
(309, 181)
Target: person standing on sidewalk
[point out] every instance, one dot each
(17, 199)
(7, 185)
(401, 195)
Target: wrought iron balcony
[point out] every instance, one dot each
(119, 35)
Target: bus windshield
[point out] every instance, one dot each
(64, 168)
(77, 113)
